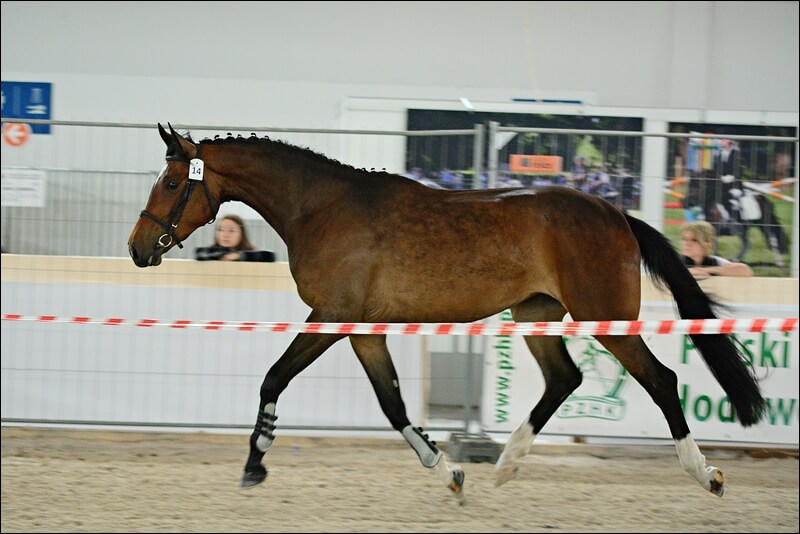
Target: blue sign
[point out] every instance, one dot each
(27, 100)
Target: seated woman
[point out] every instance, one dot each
(231, 244)
(697, 245)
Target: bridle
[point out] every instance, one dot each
(196, 166)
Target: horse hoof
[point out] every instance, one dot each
(254, 478)
(504, 474)
(457, 485)
(717, 483)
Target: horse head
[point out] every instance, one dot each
(181, 201)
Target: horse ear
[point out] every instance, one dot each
(164, 135)
(184, 145)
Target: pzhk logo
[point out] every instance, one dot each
(603, 377)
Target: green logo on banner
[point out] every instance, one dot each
(603, 378)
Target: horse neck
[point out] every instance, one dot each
(280, 188)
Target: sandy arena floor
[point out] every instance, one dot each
(89, 481)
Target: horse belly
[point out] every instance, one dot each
(455, 298)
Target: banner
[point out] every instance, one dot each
(610, 403)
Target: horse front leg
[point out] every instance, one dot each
(374, 356)
(303, 350)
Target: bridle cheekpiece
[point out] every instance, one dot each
(196, 172)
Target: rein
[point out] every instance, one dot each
(195, 168)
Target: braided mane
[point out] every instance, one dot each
(268, 145)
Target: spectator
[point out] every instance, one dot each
(697, 246)
(231, 244)
(578, 173)
(599, 182)
(627, 188)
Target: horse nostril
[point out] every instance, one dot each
(132, 252)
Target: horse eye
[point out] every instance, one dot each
(172, 186)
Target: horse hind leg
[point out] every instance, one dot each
(374, 356)
(661, 383)
(561, 377)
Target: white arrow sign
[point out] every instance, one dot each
(15, 134)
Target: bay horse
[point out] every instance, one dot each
(367, 246)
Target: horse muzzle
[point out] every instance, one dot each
(146, 259)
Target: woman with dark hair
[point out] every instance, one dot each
(232, 244)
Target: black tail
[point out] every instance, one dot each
(720, 353)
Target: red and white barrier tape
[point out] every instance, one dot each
(574, 328)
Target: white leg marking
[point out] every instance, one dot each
(444, 470)
(519, 443)
(431, 457)
(451, 475)
(694, 463)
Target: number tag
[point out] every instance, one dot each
(196, 169)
